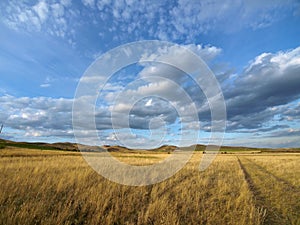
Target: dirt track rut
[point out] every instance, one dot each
(280, 199)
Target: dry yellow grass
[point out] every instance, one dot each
(276, 193)
(284, 166)
(60, 188)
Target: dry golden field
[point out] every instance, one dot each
(56, 187)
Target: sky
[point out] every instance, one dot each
(252, 47)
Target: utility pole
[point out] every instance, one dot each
(1, 128)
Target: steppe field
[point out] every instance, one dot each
(58, 187)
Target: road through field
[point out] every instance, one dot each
(279, 197)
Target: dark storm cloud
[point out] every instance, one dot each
(270, 80)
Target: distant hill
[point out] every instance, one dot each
(64, 146)
(67, 146)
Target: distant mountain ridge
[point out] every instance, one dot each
(67, 146)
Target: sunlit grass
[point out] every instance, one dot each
(44, 187)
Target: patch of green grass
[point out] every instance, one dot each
(26, 145)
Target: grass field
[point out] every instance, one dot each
(57, 187)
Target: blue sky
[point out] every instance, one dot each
(253, 48)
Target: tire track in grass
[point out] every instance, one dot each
(176, 182)
(259, 201)
(287, 185)
(281, 201)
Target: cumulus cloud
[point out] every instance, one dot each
(264, 94)
(39, 116)
(132, 140)
(269, 80)
(266, 90)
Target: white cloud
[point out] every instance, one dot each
(112, 137)
(45, 85)
(207, 52)
(66, 2)
(36, 115)
(41, 8)
(182, 21)
(58, 10)
(55, 18)
(164, 82)
(149, 102)
(89, 3)
(121, 107)
(271, 79)
(193, 18)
